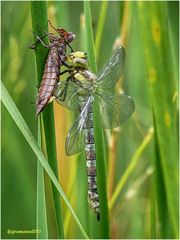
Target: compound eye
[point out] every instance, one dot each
(60, 31)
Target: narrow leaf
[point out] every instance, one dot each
(41, 218)
(162, 86)
(131, 166)
(39, 18)
(100, 27)
(101, 228)
(18, 119)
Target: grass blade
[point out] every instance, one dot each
(100, 229)
(41, 218)
(89, 37)
(18, 119)
(131, 166)
(39, 18)
(162, 89)
(81, 163)
(100, 27)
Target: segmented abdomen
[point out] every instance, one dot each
(49, 80)
(93, 196)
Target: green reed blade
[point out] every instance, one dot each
(100, 27)
(40, 18)
(82, 178)
(101, 228)
(41, 217)
(89, 37)
(154, 26)
(18, 119)
(132, 164)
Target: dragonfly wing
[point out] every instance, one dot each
(66, 94)
(115, 110)
(75, 141)
(111, 72)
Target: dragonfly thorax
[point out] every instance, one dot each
(86, 78)
(78, 60)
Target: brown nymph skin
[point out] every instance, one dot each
(49, 80)
(56, 58)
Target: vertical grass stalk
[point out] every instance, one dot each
(41, 217)
(100, 229)
(162, 88)
(133, 163)
(100, 27)
(81, 161)
(39, 17)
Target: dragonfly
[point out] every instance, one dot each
(55, 59)
(80, 90)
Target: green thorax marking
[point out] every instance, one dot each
(79, 62)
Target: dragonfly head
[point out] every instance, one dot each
(78, 60)
(67, 36)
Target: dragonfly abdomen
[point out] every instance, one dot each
(93, 196)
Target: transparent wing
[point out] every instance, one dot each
(75, 141)
(115, 110)
(111, 72)
(66, 94)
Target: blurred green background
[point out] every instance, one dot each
(147, 206)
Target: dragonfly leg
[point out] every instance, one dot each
(66, 71)
(52, 25)
(40, 40)
(42, 30)
(70, 46)
(65, 63)
(34, 44)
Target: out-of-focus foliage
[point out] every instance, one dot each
(146, 203)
